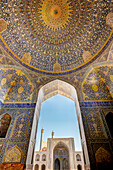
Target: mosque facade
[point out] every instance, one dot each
(50, 47)
(59, 154)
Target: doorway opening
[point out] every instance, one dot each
(58, 114)
(47, 91)
(57, 164)
(109, 120)
(61, 162)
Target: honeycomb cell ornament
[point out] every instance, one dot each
(3, 25)
(109, 19)
(56, 67)
(86, 55)
(26, 58)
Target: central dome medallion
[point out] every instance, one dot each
(55, 14)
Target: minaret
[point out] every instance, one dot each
(52, 134)
(41, 139)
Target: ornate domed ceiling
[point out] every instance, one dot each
(56, 36)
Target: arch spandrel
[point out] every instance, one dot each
(97, 85)
(15, 86)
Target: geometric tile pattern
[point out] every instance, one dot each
(15, 86)
(18, 133)
(13, 155)
(20, 126)
(98, 84)
(85, 31)
(95, 125)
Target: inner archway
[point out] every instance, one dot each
(103, 159)
(43, 167)
(51, 89)
(36, 167)
(4, 124)
(57, 164)
(79, 167)
(109, 120)
(61, 157)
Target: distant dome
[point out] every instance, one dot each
(44, 148)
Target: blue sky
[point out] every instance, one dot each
(58, 114)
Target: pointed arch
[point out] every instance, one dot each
(13, 155)
(109, 120)
(78, 157)
(65, 164)
(51, 89)
(4, 124)
(79, 167)
(103, 159)
(61, 156)
(43, 157)
(43, 167)
(37, 158)
(36, 167)
(102, 155)
(57, 164)
(58, 87)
